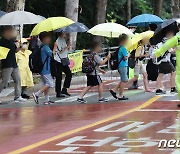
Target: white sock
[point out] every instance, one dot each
(46, 98)
(38, 93)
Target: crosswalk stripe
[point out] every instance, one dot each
(74, 98)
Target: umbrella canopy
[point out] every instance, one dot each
(51, 24)
(133, 43)
(19, 18)
(3, 52)
(144, 20)
(2, 13)
(110, 30)
(76, 27)
(163, 28)
(43, 18)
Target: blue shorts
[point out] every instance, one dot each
(47, 80)
(123, 73)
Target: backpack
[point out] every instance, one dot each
(88, 65)
(35, 61)
(132, 59)
(114, 62)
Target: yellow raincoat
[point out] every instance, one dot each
(172, 43)
(23, 64)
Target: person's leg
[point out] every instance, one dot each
(58, 79)
(115, 89)
(145, 80)
(24, 92)
(46, 96)
(124, 80)
(17, 81)
(173, 79)
(121, 89)
(100, 90)
(67, 81)
(84, 91)
(159, 81)
(6, 75)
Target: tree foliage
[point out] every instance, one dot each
(116, 12)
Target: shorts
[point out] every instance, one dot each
(47, 80)
(123, 72)
(139, 69)
(93, 80)
(166, 68)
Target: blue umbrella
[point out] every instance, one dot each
(2, 13)
(76, 27)
(144, 20)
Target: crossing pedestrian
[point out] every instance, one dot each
(22, 57)
(93, 78)
(9, 65)
(46, 77)
(122, 68)
(60, 51)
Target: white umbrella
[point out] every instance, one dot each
(19, 18)
(112, 30)
(43, 18)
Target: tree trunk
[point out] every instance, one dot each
(128, 10)
(175, 8)
(100, 16)
(71, 11)
(158, 7)
(15, 5)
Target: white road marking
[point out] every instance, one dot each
(6, 92)
(74, 98)
(157, 110)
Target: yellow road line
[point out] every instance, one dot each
(35, 145)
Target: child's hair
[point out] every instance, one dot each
(122, 37)
(94, 44)
(44, 35)
(7, 28)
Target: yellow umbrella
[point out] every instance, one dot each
(133, 43)
(3, 52)
(112, 30)
(51, 24)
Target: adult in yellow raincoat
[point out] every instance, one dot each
(22, 57)
(172, 43)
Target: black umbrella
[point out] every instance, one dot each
(2, 13)
(167, 25)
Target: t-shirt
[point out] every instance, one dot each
(46, 52)
(166, 56)
(97, 60)
(61, 42)
(122, 53)
(10, 61)
(139, 52)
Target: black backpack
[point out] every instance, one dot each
(114, 63)
(88, 65)
(132, 59)
(35, 61)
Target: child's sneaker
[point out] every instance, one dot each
(81, 100)
(113, 94)
(173, 90)
(160, 92)
(103, 100)
(35, 98)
